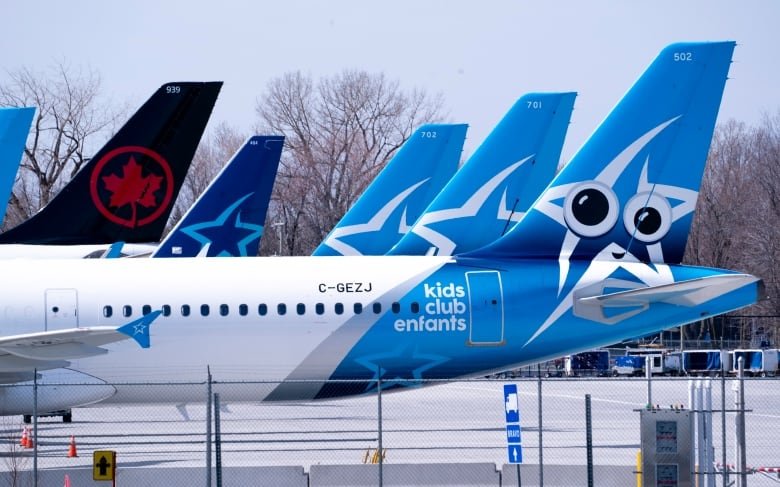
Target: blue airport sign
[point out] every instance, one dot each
(515, 453)
(513, 434)
(511, 408)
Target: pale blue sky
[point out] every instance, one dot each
(481, 55)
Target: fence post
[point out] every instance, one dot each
(35, 427)
(379, 419)
(541, 436)
(741, 424)
(589, 439)
(208, 426)
(723, 371)
(217, 439)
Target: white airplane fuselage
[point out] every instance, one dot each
(421, 317)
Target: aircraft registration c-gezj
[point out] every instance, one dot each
(595, 260)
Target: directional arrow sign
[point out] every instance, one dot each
(103, 465)
(515, 453)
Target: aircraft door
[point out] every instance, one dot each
(61, 309)
(486, 308)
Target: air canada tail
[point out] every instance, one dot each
(127, 190)
(228, 218)
(495, 187)
(630, 192)
(14, 127)
(399, 194)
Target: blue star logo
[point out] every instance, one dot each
(402, 367)
(227, 235)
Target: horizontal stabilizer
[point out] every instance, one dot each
(609, 308)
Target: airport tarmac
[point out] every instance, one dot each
(460, 422)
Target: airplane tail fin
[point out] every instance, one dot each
(631, 189)
(498, 183)
(14, 127)
(399, 194)
(128, 188)
(228, 218)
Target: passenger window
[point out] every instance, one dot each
(146, 309)
(262, 310)
(396, 307)
(281, 308)
(357, 308)
(338, 308)
(301, 308)
(319, 308)
(127, 310)
(224, 310)
(243, 309)
(377, 308)
(166, 310)
(204, 309)
(415, 307)
(107, 311)
(185, 309)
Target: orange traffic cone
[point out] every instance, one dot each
(67, 481)
(23, 440)
(72, 448)
(30, 442)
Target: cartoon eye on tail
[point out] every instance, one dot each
(591, 209)
(648, 217)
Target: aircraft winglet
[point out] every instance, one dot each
(114, 251)
(138, 330)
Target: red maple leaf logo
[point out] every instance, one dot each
(132, 188)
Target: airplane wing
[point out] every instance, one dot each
(53, 349)
(610, 308)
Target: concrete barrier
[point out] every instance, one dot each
(180, 476)
(400, 475)
(568, 475)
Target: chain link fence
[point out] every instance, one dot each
(447, 433)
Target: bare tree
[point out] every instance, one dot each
(68, 115)
(340, 132)
(214, 151)
(739, 205)
(714, 239)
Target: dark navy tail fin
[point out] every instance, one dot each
(126, 192)
(631, 190)
(228, 219)
(14, 128)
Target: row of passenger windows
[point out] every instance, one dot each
(262, 309)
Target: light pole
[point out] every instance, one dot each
(279, 229)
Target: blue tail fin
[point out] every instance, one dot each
(497, 185)
(399, 194)
(14, 127)
(630, 192)
(127, 189)
(228, 218)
